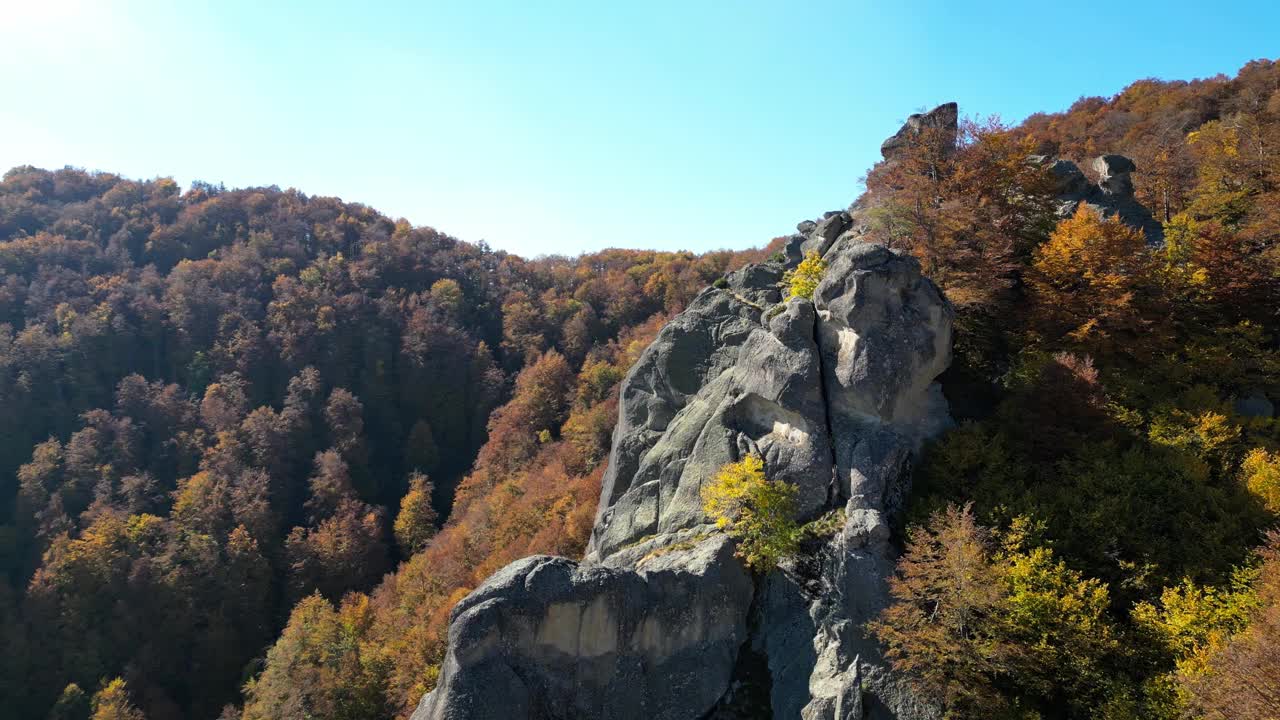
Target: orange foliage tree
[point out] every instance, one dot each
(1094, 288)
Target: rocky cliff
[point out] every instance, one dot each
(660, 621)
(1111, 195)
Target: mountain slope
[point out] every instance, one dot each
(298, 359)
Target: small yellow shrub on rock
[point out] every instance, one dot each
(759, 513)
(805, 278)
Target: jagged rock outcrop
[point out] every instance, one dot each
(660, 620)
(1111, 196)
(836, 394)
(719, 381)
(548, 638)
(944, 118)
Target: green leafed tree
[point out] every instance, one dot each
(759, 513)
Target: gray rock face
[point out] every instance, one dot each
(548, 638)
(944, 117)
(1113, 174)
(825, 232)
(1111, 196)
(700, 343)
(762, 396)
(1068, 178)
(661, 619)
(1255, 405)
(843, 384)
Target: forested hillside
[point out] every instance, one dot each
(228, 413)
(217, 403)
(1091, 540)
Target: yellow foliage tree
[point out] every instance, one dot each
(1240, 676)
(112, 703)
(1193, 621)
(804, 279)
(1261, 470)
(415, 524)
(323, 666)
(1222, 189)
(759, 513)
(992, 629)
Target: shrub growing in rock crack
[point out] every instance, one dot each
(760, 514)
(804, 279)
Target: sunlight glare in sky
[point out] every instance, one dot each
(563, 126)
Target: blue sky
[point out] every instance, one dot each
(560, 127)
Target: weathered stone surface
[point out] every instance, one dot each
(1113, 174)
(885, 332)
(811, 623)
(697, 345)
(826, 231)
(660, 620)
(768, 402)
(1068, 179)
(1111, 196)
(945, 117)
(1255, 405)
(548, 639)
(793, 249)
(885, 336)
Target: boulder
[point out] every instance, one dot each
(1068, 180)
(549, 639)
(825, 232)
(1112, 196)
(661, 620)
(1113, 174)
(885, 334)
(793, 249)
(944, 118)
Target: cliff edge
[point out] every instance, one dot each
(660, 620)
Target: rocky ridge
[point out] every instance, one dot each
(1111, 196)
(660, 621)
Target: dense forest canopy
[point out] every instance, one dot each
(220, 402)
(255, 445)
(1091, 540)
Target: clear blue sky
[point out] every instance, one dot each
(558, 127)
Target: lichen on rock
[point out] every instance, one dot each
(660, 619)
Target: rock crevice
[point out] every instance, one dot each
(661, 620)
(1112, 195)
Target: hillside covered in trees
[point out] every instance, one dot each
(1091, 539)
(256, 445)
(219, 403)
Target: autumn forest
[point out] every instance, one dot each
(255, 444)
